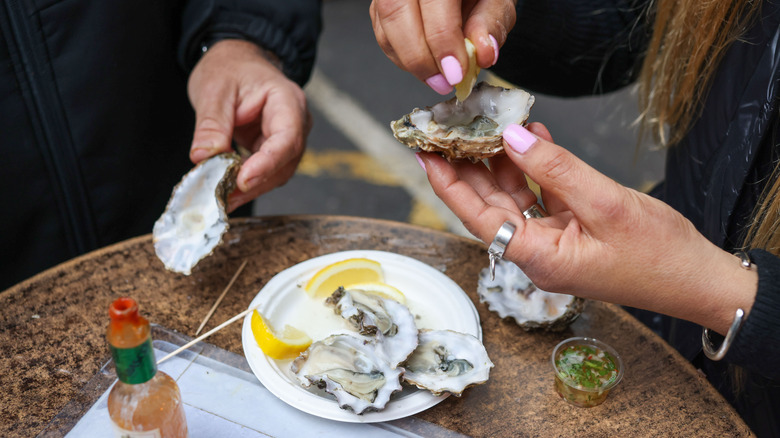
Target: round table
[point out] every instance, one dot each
(52, 333)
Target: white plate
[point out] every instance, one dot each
(436, 301)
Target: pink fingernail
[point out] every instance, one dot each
(452, 70)
(519, 138)
(439, 84)
(495, 48)
(419, 160)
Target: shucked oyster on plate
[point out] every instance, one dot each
(362, 370)
(389, 321)
(195, 219)
(349, 367)
(512, 294)
(470, 129)
(447, 361)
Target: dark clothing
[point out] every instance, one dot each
(714, 176)
(96, 124)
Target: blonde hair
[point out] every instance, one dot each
(689, 38)
(688, 41)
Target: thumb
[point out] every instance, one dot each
(559, 172)
(214, 122)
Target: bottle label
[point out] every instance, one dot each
(135, 365)
(123, 433)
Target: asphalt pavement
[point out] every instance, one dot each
(354, 166)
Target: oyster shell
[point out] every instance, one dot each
(447, 361)
(389, 321)
(194, 220)
(512, 294)
(349, 367)
(470, 129)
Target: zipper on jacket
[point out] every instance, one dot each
(51, 130)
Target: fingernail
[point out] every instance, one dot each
(452, 70)
(439, 84)
(494, 43)
(200, 153)
(419, 160)
(519, 138)
(249, 184)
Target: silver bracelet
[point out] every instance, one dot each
(709, 350)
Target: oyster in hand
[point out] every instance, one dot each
(195, 219)
(470, 129)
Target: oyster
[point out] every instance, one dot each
(389, 321)
(349, 367)
(447, 361)
(512, 294)
(194, 221)
(470, 129)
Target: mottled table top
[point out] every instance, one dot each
(52, 333)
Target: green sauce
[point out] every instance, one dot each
(586, 367)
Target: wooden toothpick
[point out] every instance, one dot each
(219, 300)
(205, 335)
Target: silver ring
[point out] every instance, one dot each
(535, 211)
(498, 246)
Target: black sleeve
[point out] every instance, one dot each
(575, 47)
(287, 28)
(757, 345)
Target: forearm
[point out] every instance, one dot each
(709, 288)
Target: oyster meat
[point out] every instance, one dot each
(447, 361)
(371, 315)
(349, 367)
(512, 294)
(195, 219)
(470, 129)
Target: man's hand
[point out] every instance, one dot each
(238, 94)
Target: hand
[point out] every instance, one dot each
(238, 94)
(601, 241)
(425, 37)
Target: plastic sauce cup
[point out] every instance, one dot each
(585, 370)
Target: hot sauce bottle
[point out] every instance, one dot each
(144, 402)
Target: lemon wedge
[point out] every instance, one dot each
(463, 89)
(288, 345)
(344, 273)
(383, 290)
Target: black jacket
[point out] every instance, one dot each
(714, 176)
(95, 124)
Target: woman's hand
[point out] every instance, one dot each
(601, 240)
(426, 37)
(238, 94)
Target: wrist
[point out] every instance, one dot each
(702, 284)
(234, 43)
(719, 353)
(733, 286)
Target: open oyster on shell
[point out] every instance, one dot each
(470, 129)
(447, 361)
(512, 294)
(371, 315)
(349, 367)
(195, 219)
